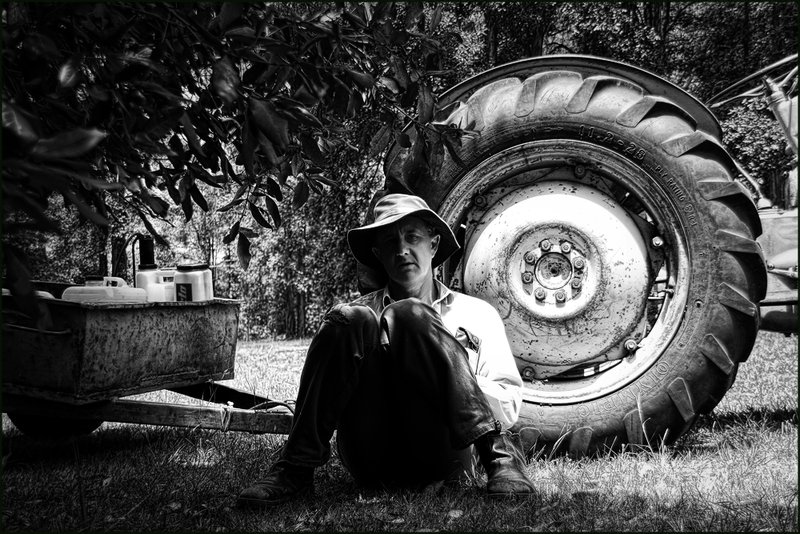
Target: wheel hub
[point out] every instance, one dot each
(569, 268)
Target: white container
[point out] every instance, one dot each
(166, 277)
(115, 295)
(193, 283)
(158, 283)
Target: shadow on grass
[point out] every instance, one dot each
(771, 418)
(116, 440)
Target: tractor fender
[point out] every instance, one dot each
(584, 64)
(590, 66)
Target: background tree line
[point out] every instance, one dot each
(250, 136)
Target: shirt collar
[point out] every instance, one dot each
(444, 298)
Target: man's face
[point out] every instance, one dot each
(406, 250)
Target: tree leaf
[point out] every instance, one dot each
(228, 14)
(68, 144)
(381, 140)
(150, 228)
(225, 80)
(232, 204)
(400, 71)
(274, 189)
(247, 232)
(272, 208)
(363, 79)
(158, 205)
(197, 196)
(268, 149)
(275, 127)
(413, 13)
(258, 215)
(232, 233)
(425, 104)
(311, 150)
(191, 134)
(243, 33)
(69, 74)
(390, 83)
(84, 208)
(243, 251)
(188, 207)
(436, 18)
(306, 117)
(15, 121)
(248, 148)
(300, 194)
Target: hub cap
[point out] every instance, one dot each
(568, 265)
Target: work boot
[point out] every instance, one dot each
(282, 483)
(503, 465)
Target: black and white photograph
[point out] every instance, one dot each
(399, 266)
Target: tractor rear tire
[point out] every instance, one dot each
(652, 160)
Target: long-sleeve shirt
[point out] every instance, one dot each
(484, 337)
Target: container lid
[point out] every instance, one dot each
(192, 267)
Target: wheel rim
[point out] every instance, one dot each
(594, 339)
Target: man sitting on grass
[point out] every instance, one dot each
(409, 376)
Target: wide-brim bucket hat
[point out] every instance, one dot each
(389, 210)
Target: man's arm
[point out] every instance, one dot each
(494, 364)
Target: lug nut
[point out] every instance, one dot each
(545, 244)
(580, 171)
(527, 373)
(479, 200)
(630, 345)
(530, 258)
(527, 277)
(566, 246)
(539, 293)
(578, 263)
(576, 283)
(561, 296)
(657, 242)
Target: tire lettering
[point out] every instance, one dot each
(637, 153)
(605, 137)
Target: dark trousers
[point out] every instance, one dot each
(399, 391)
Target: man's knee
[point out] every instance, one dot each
(350, 316)
(408, 315)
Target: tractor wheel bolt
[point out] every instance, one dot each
(527, 277)
(580, 171)
(566, 246)
(545, 244)
(527, 373)
(658, 242)
(630, 345)
(530, 258)
(578, 263)
(479, 200)
(539, 293)
(576, 283)
(561, 296)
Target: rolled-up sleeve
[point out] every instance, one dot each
(494, 364)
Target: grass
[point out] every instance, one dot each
(735, 471)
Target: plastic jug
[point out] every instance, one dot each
(105, 289)
(193, 283)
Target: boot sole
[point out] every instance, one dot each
(245, 502)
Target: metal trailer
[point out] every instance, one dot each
(68, 376)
